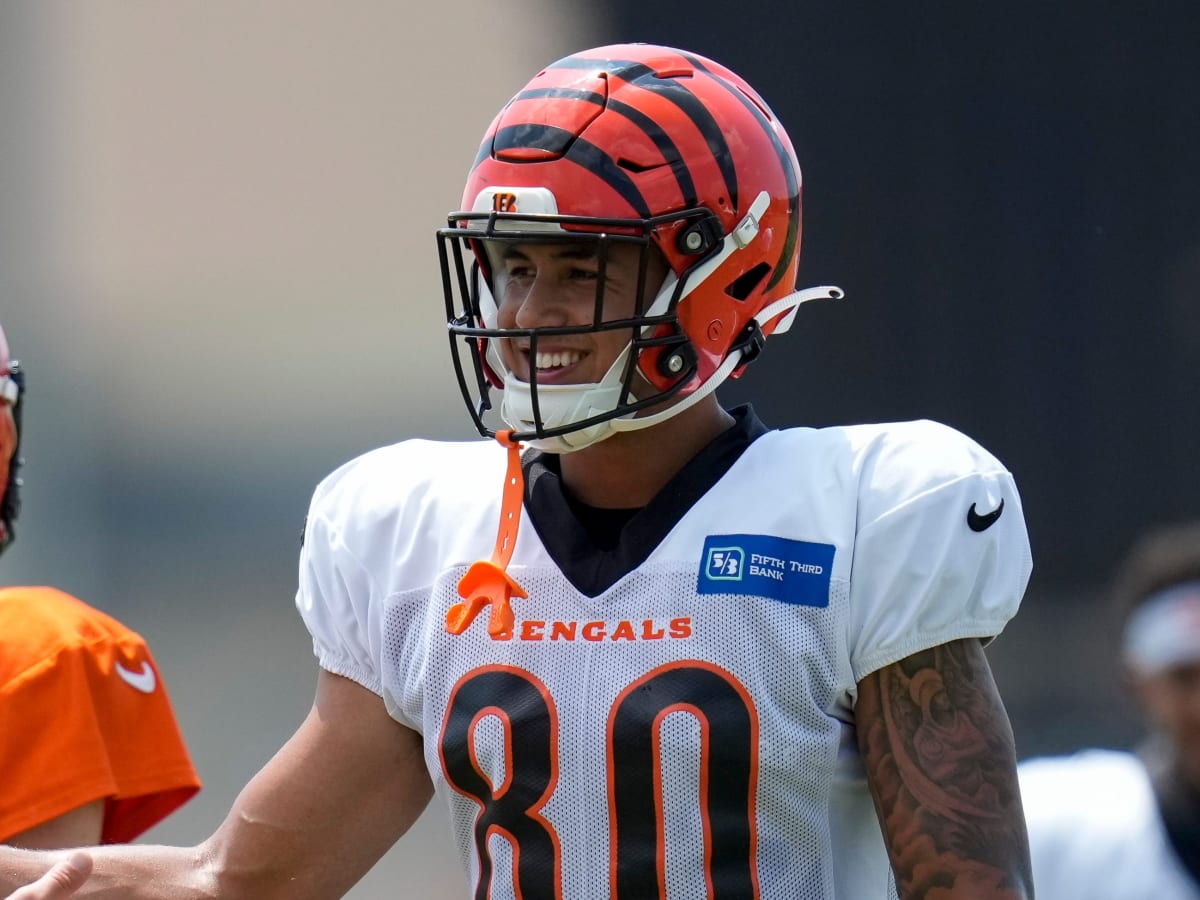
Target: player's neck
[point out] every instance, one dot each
(628, 469)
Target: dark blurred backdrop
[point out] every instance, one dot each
(1010, 195)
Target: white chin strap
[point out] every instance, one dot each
(562, 404)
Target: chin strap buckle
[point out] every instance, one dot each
(750, 342)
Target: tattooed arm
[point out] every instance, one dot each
(938, 750)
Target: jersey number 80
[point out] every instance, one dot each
(728, 777)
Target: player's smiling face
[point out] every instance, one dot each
(554, 285)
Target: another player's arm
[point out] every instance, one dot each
(338, 794)
(940, 761)
(62, 881)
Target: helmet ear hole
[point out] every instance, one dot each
(743, 286)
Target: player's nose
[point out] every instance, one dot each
(541, 305)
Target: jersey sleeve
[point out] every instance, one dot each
(941, 551)
(337, 598)
(84, 716)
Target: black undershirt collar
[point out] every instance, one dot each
(594, 547)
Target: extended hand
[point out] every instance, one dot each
(63, 880)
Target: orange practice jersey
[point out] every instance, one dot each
(84, 716)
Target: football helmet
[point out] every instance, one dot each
(12, 393)
(633, 144)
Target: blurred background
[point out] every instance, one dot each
(217, 264)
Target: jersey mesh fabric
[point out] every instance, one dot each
(762, 649)
(72, 730)
(671, 710)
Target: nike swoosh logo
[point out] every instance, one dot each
(977, 522)
(144, 681)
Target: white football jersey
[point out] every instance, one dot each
(1095, 832)
(673, 717)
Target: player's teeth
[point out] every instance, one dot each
(557, 360)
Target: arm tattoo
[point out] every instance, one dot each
(938, 750)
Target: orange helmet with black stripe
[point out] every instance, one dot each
(12, 391)
(639, 144)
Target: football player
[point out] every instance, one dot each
(704, 657)
(1117, 825)
(90, 751)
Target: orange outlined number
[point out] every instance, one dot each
(504, 202)
(512, 809)
(729, 774)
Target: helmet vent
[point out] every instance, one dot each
(636, 167)
(742, 286)
(677, 71)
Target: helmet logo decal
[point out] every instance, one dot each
(504, 202)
